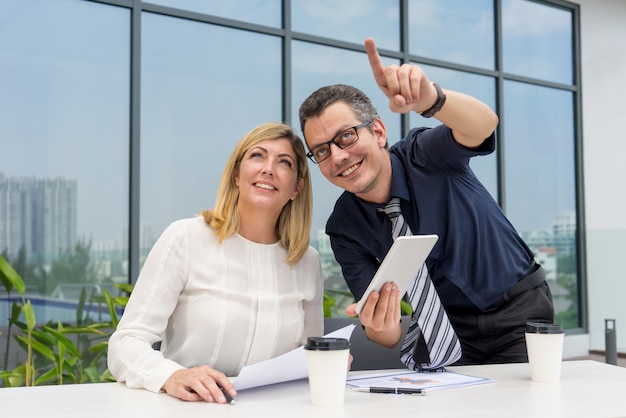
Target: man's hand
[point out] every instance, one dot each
(381, 315)
(406, 86)
(199, 383)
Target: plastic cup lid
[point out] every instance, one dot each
(543, 328)
(326, 343)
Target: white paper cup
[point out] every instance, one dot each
(327, 363)
(544, 343)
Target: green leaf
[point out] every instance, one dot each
(62, 340)
(16, 310)
(61, 353)
(5, 374)
(10, 277)
(29, 315)
(39, 347)
(101, 346)
(51, 376)
(125, 287)
(328, 305)
(121, 300)
(406, 308)
(107, 376)
(91, 329)
(327, 310)
(68, 372)
(110, 305)
(17, 376)
(43, 337)
(92, 374)
(97, 352)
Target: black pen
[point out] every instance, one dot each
(397, 391)
(229, 399)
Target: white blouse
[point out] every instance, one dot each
(225, 306)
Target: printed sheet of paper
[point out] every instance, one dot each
(286, 367)
(415, 380)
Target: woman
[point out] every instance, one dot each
(238, 285)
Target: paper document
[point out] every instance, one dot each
(415, 380)
(286, 367)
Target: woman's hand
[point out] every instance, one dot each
(199, 384)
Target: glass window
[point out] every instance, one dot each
(198, 98)
(537, 41)
(458, 31)
(65, 116)
(541, 185)
(64, 136)
(349, 20)
(481, 87)
(262, 12)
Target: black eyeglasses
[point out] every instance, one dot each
(343, 140)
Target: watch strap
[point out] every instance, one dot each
(436, 107)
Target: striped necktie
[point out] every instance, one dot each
(430, 342)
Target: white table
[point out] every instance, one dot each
(587, 389)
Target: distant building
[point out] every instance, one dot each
(39, 215)
(546, 256)
(565, 233)
(561, 238)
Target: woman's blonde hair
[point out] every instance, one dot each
(294, 221)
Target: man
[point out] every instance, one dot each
(484, 273)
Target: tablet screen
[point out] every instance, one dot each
(401, 264)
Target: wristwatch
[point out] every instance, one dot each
(441, 100)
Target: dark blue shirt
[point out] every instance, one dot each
(479, 255)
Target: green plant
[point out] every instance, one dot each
(57, 353)
(335, 301)
(332, 307)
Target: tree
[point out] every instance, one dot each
(73, 266)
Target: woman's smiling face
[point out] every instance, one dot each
(268, 176)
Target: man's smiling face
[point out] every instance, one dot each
(358, 168)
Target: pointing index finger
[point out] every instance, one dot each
(376, 63)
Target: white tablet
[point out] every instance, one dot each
(401, 264)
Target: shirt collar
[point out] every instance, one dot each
(399, 185)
